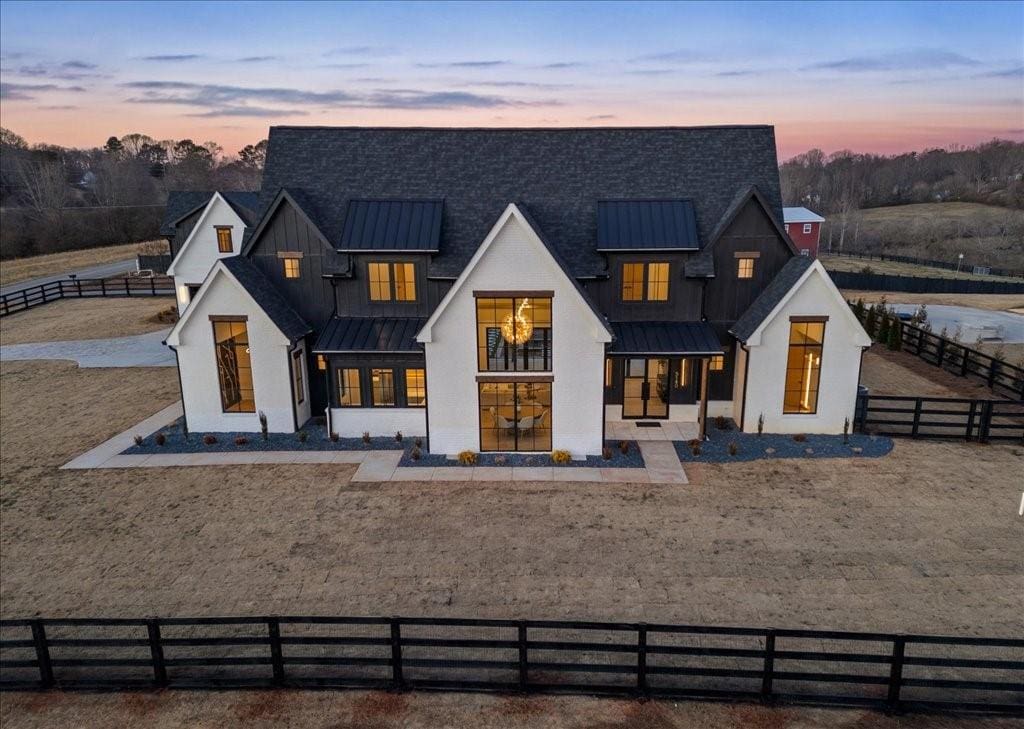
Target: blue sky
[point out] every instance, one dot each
(867, 76)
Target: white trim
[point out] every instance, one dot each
(198, 226)
(808, 227)
(424, 335)
(800, 215)
(864, 340)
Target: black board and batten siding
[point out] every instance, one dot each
(684, 295)
(353, 292)
(882, 670)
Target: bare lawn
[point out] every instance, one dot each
(21, 269)
(92, 318)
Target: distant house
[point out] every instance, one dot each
(804, 227)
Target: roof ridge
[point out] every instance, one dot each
(698, 127)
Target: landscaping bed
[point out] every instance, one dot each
(632, 458)
(754, 447)
(316, 439)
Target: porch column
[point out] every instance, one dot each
(702, 413)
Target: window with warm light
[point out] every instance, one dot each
(321, 362)
(803, 367)
(291, 267)
(299, 385)
(680, 377)
(224, 244)
(392, 281)
(645, 281)
(514, 334)
(607, 371)
(717, 363)
(349, 391)
(744, 268)
(382, 387)
(234, 366)
(415, 388)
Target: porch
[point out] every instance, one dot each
(641, 430)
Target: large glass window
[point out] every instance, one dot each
(803, 367)
(515, 416)
(234, 367)
(349, 392)
(382, 384)
(645, 281)
(514, 334)
(300, 387)
(415, 388)
(402, 275)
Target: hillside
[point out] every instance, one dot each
(985, 234)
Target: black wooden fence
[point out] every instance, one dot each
(921, 284)
(69, 288)
(984, 421)
(961, 360)
(963, 267)
(895, 672)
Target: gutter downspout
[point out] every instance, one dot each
(746, 380)
(291, 386)
(181, 389)
(705, 368)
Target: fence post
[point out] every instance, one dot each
(42, 654)
(276, 657)
(942, 351)
(24, 297)
(127, 286)
(524, 665)
(103, 287)
(78, 284)
(152, 286)
(970, 419)
(985, 421)
(993, 366)
(917, 417)
(156, 651)
(397, 681)
(964, 361)
(769, 666)
(641, 659)
(896, 672)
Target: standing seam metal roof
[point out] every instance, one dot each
(370, 334)
(646, 224)
(392, 225)
(665, 337)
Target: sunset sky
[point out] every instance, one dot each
(878, 77)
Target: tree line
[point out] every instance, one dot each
(56, 198)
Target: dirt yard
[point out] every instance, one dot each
(88, 319)
(995, 302)
(374, 710)
(901, 373)
(20, 269)
(925, 539)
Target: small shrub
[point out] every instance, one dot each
(467, 458)
(733, 448)
(560, 457)
(418, 442)
(846, 430)
(606, 453)
(721, 422)
(695, 448)
(366, 436)
(398, 436)
(303, 436)
(264, 430)
(624, 447)
(241, 440)
(693, 442)
(335, 437)
(799, 437)
(159, 439)
(760, 424)
(209, 439)
(500, 460)
(415, 454)
(138, 440)
(867, 269)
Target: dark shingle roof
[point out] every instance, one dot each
(181, 203)
(243, 202)
(665, 337)
(770, 297)
(700, 265)
(646, 225)
(269, 299)
(365, 334)
(560, 173)
(392, 225)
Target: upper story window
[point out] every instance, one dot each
(234, 366)
(645, 281)
(717, 363)
(807, 227)
(744, 268)
(224, 244)
(514, 333)
(803, 365)
(291, 267)
(392, 281)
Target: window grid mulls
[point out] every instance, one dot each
(349, 391)
(495, 352)
(402, 275)
(803, 367)
(234, 367)
(645, 281)
(382, 383)
(415, 387)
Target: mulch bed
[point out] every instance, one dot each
(631, 459)
(753, 447)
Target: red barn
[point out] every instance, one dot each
(804, 227)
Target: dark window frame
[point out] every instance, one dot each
(645, 285)
(226, 358)
(298, 379)
(790, 346)
(512, 352)
(221, 229)
(391, 282)
(342, 386)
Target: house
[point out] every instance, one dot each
(804, 227)
(516, 290)
(202, 227)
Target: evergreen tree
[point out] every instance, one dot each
(895, 340)
(871, 321)
(858, 309)
(884, 325)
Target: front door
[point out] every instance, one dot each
(645, 388)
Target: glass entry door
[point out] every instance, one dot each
(645, 388)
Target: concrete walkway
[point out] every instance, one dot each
(142, 350)
(663, 466)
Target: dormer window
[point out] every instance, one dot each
(224, 244)
(645, 281)
(392, 281)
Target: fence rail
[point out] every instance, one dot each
(921, 285)
(157, 264)
(964, 267)
(941, 417)
(894, 672)
(76, 288)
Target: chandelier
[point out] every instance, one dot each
(517, 329)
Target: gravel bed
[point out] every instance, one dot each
(632, 459)
(753, 447)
